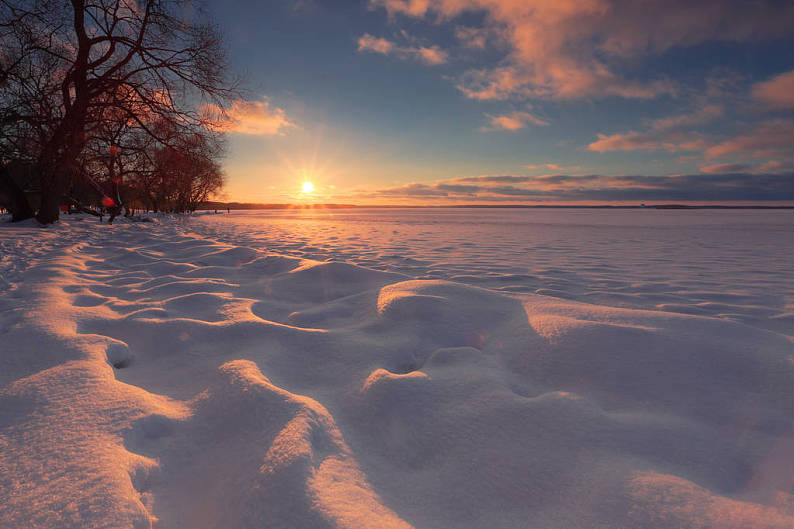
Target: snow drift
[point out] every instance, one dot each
(153, 378)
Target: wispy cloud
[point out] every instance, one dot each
(741, 151)
(250, 117)
(571, 49)
(775, 166)
(512, 121)
(725, 168)
(768, 139)
(776, 92)
(431, 55)
(666, 134)
(553, 167)
(699, 116)
(653, 140)
(368, 42)
(495, 179)
(470, 37)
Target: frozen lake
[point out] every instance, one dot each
(188, 373)
(732, 264)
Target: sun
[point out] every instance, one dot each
(308, 187)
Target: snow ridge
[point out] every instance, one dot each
(153, 378)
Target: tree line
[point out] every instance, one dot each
(109, 105)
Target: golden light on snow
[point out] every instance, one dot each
(307, 187)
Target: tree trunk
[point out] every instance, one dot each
(58, 162)
(52, 193)
(67, 142)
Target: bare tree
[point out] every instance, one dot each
(146, 61)
(27, 101)
(173, 169)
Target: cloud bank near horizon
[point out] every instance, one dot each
(555, 188)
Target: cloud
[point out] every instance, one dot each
(710, 186)
(369, 43)
(671, 141)
(776, 92)
(416, 8)
(501, 179)
(662, 134)
(561, 81)
(513, 121)
(630, 141)
(775, 166)
(768, 139)
(725, 168)
(571, 49)
(700, 116)
(250, 117)
(772, 166)
(431, 55)
(412, 190)
(476, 38)
(553, 167)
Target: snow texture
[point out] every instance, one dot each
(184, 374)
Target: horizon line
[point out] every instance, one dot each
(209, 205)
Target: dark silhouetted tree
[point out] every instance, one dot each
(71, 66)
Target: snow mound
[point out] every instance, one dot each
(267, 457)
(229, 257)
(151, 378)
(320, 282)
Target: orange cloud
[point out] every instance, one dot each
(431, 55)
(571, 49)
(777, 91)
(724, 168)
(662, 134)
(698, 117)
(765, 140)
(250, 117)
(471, 37)
(556, 167)
(630, 141)
(671, 141)
(369, 43)
(770, 140)
(774, 166)
(513, 121)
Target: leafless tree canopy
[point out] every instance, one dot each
(97, 90)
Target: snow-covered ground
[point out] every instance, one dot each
(732, 264)
(205, 373)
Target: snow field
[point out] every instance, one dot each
(150, 377)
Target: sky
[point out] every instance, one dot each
(511, 101)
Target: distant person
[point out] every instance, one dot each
(228, 210)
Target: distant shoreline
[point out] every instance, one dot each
(242, 206)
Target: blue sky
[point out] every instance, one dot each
(412, 101)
